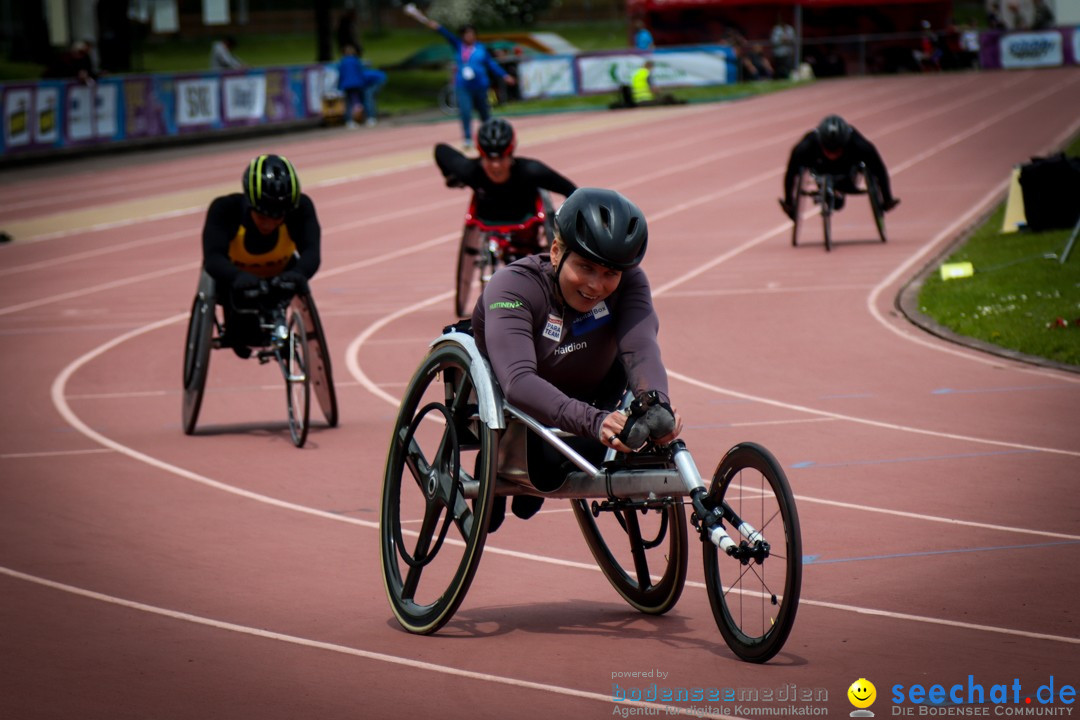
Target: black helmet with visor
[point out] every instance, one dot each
(833, 133)
(603, 227)
(495, 138)
(271, 186)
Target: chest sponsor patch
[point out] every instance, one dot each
(598, 316)
(553, 328)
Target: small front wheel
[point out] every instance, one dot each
(754, 593)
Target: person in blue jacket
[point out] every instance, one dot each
(359, 85)
(474, 62)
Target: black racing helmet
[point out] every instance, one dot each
(271, 185)
(496, 138)
(603, 227)
(833, 133)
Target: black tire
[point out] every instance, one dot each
(663, 544)
(448, 99)
(296, 367)
(874, 192)
(828, 198)
(549, 218)
(799, 194)
(754, 603)
(200, 333)
(469, 269)
(438, 432)
(322, 377)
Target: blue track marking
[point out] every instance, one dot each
(927, 458)
(816, 559)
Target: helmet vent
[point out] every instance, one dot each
(605, 217)
(632, 227)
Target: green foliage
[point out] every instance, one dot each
(1017, 294)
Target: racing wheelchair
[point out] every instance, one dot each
(457, 444)
(823, 190)
(289, 333)
(487, 245)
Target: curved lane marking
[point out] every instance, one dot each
(346, 650)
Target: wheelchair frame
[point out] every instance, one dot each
(454, 408)
(823, 194)
(484, 246)
(294, 339)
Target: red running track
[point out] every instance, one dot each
(146, 574)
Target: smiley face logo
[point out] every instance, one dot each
(862, 693)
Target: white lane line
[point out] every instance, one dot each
(935, 518)
(72, 419)
(53, 262)
(53, 453)
(187, 267)
(865, 421)
(346, 650)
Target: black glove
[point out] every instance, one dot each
(890, 204)
(292, 280)
(452, 181)
(245, 281)
(651, 417)
(788, 208)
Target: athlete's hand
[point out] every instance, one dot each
(245, 281)
(297, 280)
(609, 431)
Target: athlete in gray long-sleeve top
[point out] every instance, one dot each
(566, 333)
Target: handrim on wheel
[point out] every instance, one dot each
(663, 543)
(754, 596)
(322, 378)
(296, 364)
(431, 535)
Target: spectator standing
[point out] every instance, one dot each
(643, 39)
(783, 48)
(474, 62)
(221, 55)
(358, 84)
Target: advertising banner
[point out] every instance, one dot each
(1032, 50)
(46, 117)
(605, 73)
(546, 77)
(197, 105)
(244, 99)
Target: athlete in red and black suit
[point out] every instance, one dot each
(506, 186)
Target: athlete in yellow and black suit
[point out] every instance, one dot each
(269, 230)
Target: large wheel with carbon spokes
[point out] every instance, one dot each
(434, 514)
(754, 595)
(828, 202)
(322, 378)
(200, 336)
(874, 192)
(799, 194)
(643, 555)
(470, 268)
(296, 367)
